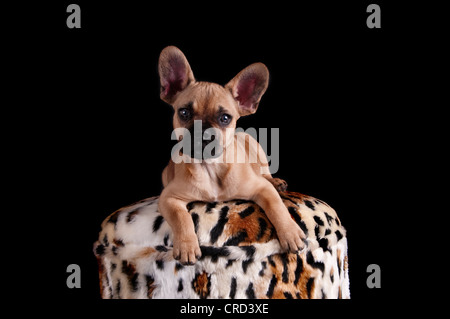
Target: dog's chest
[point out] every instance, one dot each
(209, 181)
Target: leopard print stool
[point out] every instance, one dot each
(241, 256)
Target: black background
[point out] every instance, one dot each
(98, 136)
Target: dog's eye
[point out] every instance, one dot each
(225, 119)
(184, 113)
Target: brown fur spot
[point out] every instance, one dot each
(201, 285)
(251, 224)
(118, 242)
(296, 197)
(260, 287)
(150, 286)
(112, 218)
(307, 273)
(131, 216)
(284, 266)
(129, 269)
(146, 252)
(339, 260)
(345, 263)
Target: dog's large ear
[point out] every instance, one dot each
(248, 87)
(175, 73)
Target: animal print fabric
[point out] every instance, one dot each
(241, 256)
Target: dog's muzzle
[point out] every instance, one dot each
(201, 142)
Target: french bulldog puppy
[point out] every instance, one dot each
(232, 172)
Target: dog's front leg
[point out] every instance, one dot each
(289, 233)
(185, 243)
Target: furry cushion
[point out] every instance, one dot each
(241, 256)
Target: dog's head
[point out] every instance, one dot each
(215, 107)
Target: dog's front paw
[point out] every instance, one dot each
(187, 250)
(291, 237)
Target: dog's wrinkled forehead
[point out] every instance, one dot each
(206, 98)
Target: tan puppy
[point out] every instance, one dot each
(217, 107)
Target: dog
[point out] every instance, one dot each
(217, 107)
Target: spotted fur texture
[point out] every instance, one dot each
(241, 256)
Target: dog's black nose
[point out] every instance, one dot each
(207, 134)
(207, 137)
(201, 136)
